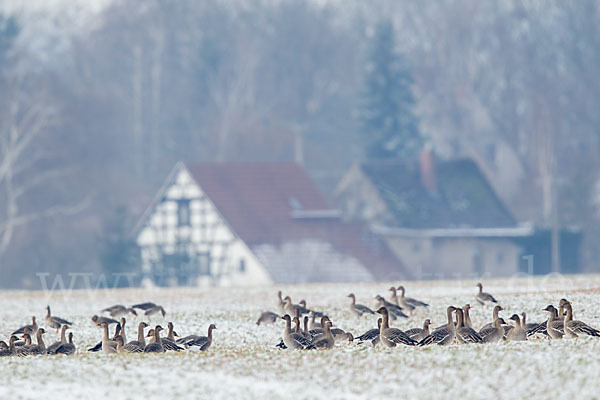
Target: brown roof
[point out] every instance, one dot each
(277, 203)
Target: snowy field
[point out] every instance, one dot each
(244, 362)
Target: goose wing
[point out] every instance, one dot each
(397, 336)
(144, 306)
(363, 309)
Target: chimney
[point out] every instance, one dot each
(428, 178)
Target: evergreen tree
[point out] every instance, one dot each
(386, 114)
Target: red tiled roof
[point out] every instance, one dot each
(257, 201)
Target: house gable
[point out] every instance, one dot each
(183, 236)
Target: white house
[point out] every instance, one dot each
(253, 224)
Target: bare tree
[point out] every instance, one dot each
(26, 116)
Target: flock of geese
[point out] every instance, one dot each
(307, 334)
(20, 342)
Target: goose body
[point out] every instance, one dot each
(10, 351)
(32, 328)
(390, 337)
(495, 315)
(407, 300)
(574, 328)
(327, 341)
(267, 317)
(553, 323)
(495, 333)
(99, 320)
(419, 334)
(156, 346)
(55, 322)
(358, 309)
(291, 339)
(517, 333)
(203, 342)
(444, 335)
(465, 334)
(483, 297)
(67, 348)
(119, 310)
(54, 346)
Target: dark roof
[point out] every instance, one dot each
(258, 202)
(464, 198)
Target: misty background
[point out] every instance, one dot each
(98, 102)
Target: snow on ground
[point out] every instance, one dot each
(244, 362)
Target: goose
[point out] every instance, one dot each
(267, 317)
(419, 333)
(327, 341)
(32, 327)
(156, 346)
(120, 344)
(141, 340)
(167, 344)
(394, 296)
(108, 346)
(319, 331)
(67, 348)
(155, 310)
(358, 309)
(402, 303)
(144, 306)
(444, 335)
(517, 333)
(302, 303)
(3, 345)
(394, 311)
(52, 348)
(557, 324)
(483, 297)
(36, 349)
(495, 333)
(280, 302)
(371, 334)
(170, 333)
(553, 323)
(574, 328)
(120, 310)
(99, 320)
(11, 350)
(113, 342)
(293, 340)
(203, 342)
(55, 322)
(305, 332)
(467, 316)
(465, 334)
(409, 300)
(528, 326)
(26, 338)
(390, 337)
(123, 334)
(495, 313)
(290, 308)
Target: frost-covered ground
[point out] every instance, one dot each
(244, 362)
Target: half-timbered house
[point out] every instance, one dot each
(253, 224)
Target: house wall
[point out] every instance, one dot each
(207, 239)
(358, 199)
(451, 258)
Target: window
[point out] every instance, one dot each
(242, 265)
(183, 212)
